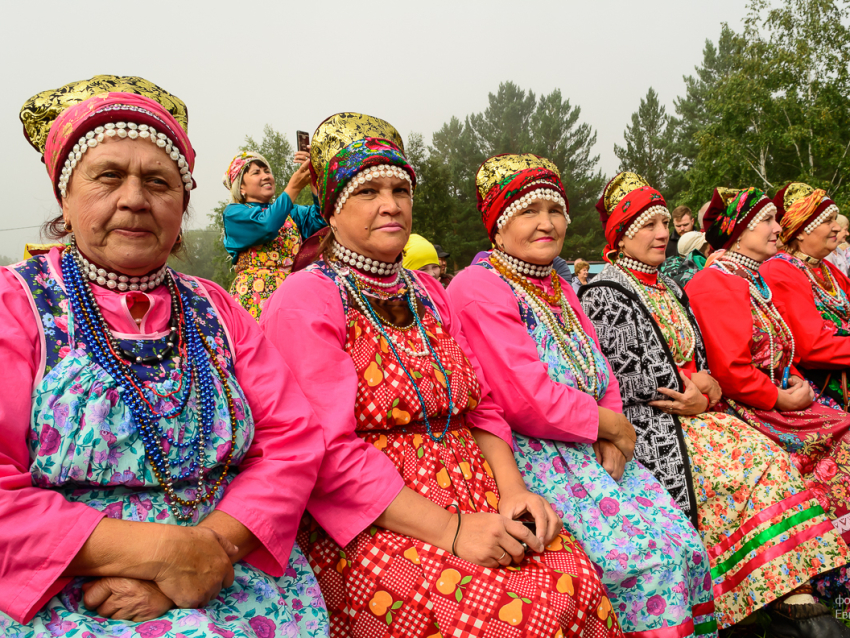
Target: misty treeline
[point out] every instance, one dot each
(767, 105)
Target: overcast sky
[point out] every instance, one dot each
(240, 65)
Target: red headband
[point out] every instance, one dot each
(617, 222)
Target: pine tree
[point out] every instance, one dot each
(649, 149)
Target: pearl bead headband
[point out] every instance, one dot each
(761, 215)
(644, 217)
(832, 208)
(367, 175)
(525, 201)
(123, 130)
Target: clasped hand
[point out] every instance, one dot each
(494, 540)
(798, 396)
(188, 566)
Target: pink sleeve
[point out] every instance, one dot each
(304, 320)
(270, 491)
(40, 531)
(487, 415)
(534, 404)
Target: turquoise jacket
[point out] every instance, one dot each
(251, 224)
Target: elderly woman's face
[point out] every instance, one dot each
(822, 240)
(536, 234)
(760, 242)
(125, 205)
(582, 275)
(376, 218)
(257, 183)
(649, 243)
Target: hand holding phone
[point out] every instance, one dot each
(303, 138)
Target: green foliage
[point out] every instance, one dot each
(515, 121)
(649, 149)
(770, 105)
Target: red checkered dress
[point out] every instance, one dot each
(385, 584)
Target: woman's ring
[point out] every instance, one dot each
(504, 553)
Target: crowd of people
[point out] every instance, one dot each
(355, 442)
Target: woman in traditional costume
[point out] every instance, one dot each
(753, 353)
(811, 293)
(263, 234)
(734, 482)
(144, 447)
(539, 355)
(415, 534)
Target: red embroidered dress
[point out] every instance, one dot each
(386, 584)
(742, 351)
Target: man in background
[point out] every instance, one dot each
(683, 222)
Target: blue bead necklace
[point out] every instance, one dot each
(96, 335)
(409, 297)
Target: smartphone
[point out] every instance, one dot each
(531, 526)
(303, 140)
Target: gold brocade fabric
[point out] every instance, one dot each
(496, 169)
(796, 191)
(41, 110)
(340, 130)
(728, 194)
(619, 187)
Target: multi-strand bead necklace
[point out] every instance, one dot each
(349, 279)
(570, 338)
(761, 299)
(827, 290)
(191, 454)
(673, 318)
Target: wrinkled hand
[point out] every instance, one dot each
(125, 599)
(708, 385)
(514, 505)
(610, 457)
(687, 403)
(798, 396)
(616, 428)
(492, 540)
(194, 565)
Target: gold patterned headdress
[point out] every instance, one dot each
(622, 184)
(41, 110)
(502, 182)
(347, 143)
(64, 123)
(801, 207)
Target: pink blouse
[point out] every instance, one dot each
(534, 404)
(41, 532)
(305, 320)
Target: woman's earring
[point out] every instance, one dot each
(67, 226)
(178, 243)
(738, 245)
(620, 255)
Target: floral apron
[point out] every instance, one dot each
(384, 584)
(261, 269)
(648, 555)
(84, 444)
(765, 532)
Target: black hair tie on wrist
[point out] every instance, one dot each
(457, 531)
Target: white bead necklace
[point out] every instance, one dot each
(738, 258)
(113, 280)
(634, 264)
(124, 130)
(579, 357)
(519, 267)
(364, 310)
(364, 264)
(762, 303)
